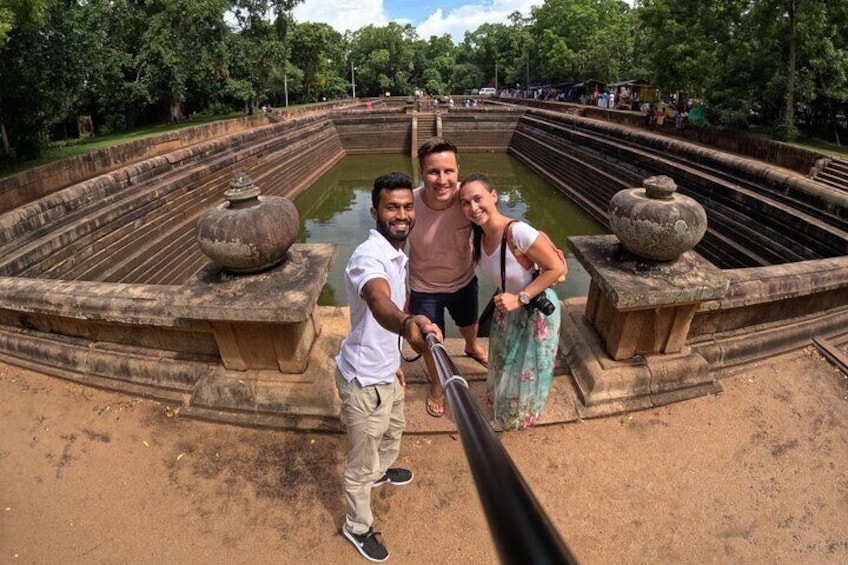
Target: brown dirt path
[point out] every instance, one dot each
(757, 474)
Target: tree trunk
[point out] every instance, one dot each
(176, 110)
(790, 80)
(7, 148)
(832, 113)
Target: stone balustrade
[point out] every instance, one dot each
(101, 281)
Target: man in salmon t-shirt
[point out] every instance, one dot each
(441, 267)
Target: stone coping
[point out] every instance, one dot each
(213, 295)
(631, 283)
(758, 285)
(281, 295)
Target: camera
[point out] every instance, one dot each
(541, 302)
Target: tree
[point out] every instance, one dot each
(182, 50)
(434, 64)
(258, 51)
(318, 50)
(498, 52)
(583, 39)
(385, 58)
(765, 61)
(41, 72)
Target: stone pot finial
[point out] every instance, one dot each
(241, 190)
(656, 223)
(248, 233)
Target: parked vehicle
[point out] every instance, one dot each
(488, 91)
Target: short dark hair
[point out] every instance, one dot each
(389, 181)
(435, 145)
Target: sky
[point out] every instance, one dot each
(429, 17)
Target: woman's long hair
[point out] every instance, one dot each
(477, 231)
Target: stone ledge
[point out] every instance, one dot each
(607, 387)
(270, 399)
(284, 294)
(275, 394)
(631, 283)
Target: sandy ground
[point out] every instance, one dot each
(757, 474)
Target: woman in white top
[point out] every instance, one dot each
(523, 340)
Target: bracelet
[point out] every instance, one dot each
(403, 325)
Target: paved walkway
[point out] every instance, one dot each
(756, 474)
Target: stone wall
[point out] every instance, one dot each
(377, 131)
(374, 132)
(779, 154)
(134, 224)
(482, 131)
(772, 310)
(757, 215)
(163, 340)
(32, 184)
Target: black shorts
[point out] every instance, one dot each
(462, 305)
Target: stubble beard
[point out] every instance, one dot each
(395, 238)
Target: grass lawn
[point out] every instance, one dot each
(818, 144)
(69, 148)
(822, 146)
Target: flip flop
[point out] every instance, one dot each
(430, 410)
(483, 361)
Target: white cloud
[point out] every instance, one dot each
(469, 17)
(352, 15)
(342, 15)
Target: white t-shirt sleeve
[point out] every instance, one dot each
(524, 235)
(363, 268)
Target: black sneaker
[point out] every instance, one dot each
(367, 544)
(394, 476)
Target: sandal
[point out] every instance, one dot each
(482, 360)
(435, 407)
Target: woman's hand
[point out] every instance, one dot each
(507, 302)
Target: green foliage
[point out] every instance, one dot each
(318, 50)
(583, 39)
(41, 72)
(498, 51)
(385, 59)
(736, 55)
(781, 64)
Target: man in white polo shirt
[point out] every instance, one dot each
(367, 377)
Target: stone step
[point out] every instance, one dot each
(81, 235)
(834, 177)
(124, 251)
(596, 135)
(769, 210)
(839, 165)
(182, 256)
(592, 195)
(831, 182)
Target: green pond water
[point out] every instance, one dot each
(336, 209)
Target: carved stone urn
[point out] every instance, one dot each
(653, 222)
(248, 233)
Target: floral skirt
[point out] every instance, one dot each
(522, 352)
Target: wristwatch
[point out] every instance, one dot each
(524, 298)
